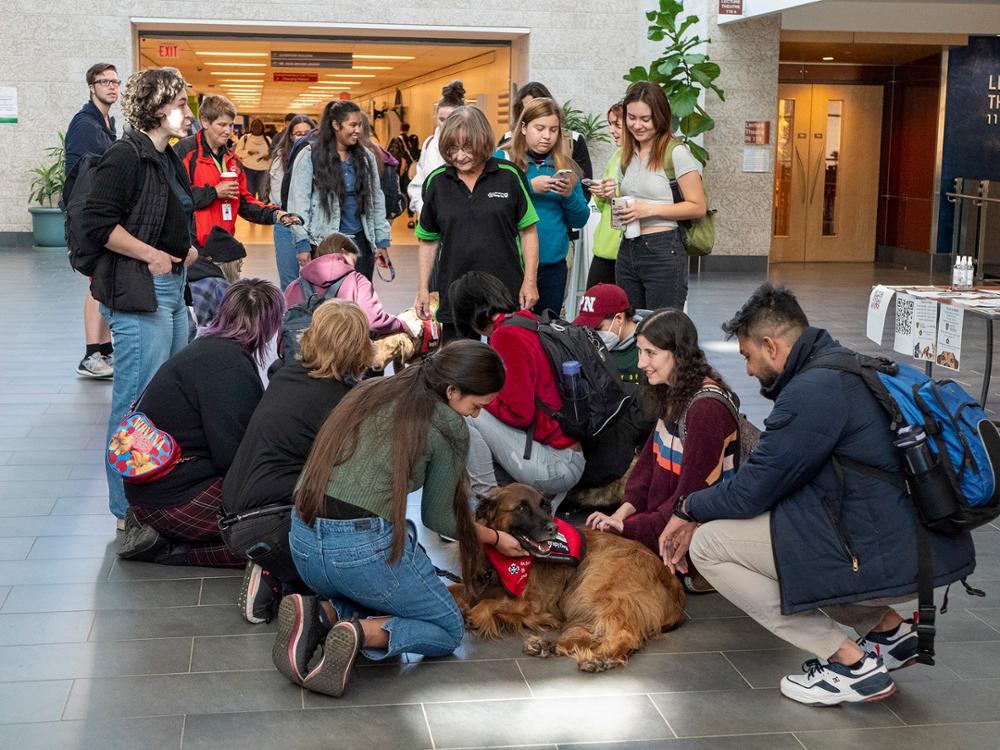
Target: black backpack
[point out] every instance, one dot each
(83, 253)
(394, 204)
(564, 342)
(298, 317)
(309, 139)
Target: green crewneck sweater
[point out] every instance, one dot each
(365, 479)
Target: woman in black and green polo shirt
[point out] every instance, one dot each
(477, 212)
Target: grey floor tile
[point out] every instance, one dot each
(963, 701)
(81, 506)
(73, 547)
(207, 692)
(119, 595)
(55, 525)
(28, 572)
(990, 616)
(128, 570)
(645, 673)
(226, 653)
(738, 742)
(46, 627)
(38, 446)
(950, 737)
(755, 711)
(970, 660)
(45, 487)
(430, 682)
(959, 625)
(63, 661)
(47, 474)
(715, 635)
(26, 506)
(39, 701)
(16, 548)
(221, 590)
(706, 606)
(473, 648)
(396, 727)
(32, 457)
(545, 720)
(162, 733)
(164, 622)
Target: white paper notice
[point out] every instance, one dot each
(949, 342)
(903, 342)
(757, 159)
(925, 315)
(8, 104)
(878, 305)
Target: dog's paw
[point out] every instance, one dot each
(540, 647)
(597, 664)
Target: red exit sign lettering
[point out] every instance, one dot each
(168, 50)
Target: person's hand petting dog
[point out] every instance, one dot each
(603, 522)
(508, 545)
(674, 542)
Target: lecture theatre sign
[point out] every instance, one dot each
(305, 59)
(730, 7)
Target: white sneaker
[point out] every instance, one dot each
(95, 367)
(831, 684)
(897, 651)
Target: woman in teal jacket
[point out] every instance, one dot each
(540, 148)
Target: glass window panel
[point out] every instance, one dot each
(783, 166)
(831, 162)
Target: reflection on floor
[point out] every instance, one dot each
(97, 653)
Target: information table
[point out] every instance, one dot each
(929, 321)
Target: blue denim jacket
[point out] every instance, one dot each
(318, 224)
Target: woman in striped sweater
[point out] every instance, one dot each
(693, 443)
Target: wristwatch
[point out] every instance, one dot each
(680, 512)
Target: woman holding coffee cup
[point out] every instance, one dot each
(652, 266)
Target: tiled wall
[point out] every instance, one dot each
(579, 48)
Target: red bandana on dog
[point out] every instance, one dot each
(568, 547)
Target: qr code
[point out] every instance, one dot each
(904, 317)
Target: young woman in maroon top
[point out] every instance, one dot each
(669, 468)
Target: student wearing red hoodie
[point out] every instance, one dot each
(481, 303)
(336, 257)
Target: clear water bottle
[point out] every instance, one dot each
(575, 389)
(912, 441)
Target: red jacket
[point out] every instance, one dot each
(204, 174)
(529, 375)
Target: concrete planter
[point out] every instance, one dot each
(48, 226)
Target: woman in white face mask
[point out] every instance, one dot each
(606, 309)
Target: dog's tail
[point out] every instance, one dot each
(673, 600)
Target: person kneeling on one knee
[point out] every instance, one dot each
(555, 461)
(784, 537)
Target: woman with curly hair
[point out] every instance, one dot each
(140, 211)
(694, 442)
(335, 187)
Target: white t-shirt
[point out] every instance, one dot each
(640, 182)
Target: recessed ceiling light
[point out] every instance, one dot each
(827, 59)
(237, 64)
(335, 84)
(349, 75)
(233, 54)
(383, 67)
(384, 57)
(254, 74)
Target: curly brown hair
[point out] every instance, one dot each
(148, 90)
(673, 330)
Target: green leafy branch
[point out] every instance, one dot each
(593, 128)
(49, 180)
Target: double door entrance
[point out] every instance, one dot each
(826, 173)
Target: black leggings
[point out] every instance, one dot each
(264, 539)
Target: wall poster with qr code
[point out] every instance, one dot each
(903, 341)
(949, 342)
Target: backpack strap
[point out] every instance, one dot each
(519, 321)
(307, 289)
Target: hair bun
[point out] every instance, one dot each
(454, 90)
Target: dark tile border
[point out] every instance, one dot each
(731, 264)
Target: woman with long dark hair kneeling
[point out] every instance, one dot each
(350, 538)
(203, 397)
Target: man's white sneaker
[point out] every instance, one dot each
(897, 650)
(832, 683)
(95, 366)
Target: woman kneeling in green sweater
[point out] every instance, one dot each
(350, 539)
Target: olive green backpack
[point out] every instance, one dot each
(698, 235)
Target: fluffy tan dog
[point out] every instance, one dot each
(402, 348)
(607, 607)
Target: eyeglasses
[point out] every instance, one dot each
(467, 148)
(107, 82)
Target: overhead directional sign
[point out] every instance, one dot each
(306, 59)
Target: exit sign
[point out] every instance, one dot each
(168, 50)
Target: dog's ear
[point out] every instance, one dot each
(487, 507)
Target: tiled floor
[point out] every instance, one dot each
(96, 653)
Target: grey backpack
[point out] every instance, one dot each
(747, 434)
(298, 317)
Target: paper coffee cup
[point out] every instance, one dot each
(228, 175)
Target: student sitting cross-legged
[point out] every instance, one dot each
(203, 397)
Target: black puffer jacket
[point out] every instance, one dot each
(817, 414)
(130, 188)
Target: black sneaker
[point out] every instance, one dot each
(139, 540)
(300, 631)
(259, 595)
(897, 650)
(342, 646)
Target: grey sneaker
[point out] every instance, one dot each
(897, 650)
(341, 648)
(96, 367)
(832, 683)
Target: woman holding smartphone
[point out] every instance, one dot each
(653, 267)
(606, 237)
(540, 149)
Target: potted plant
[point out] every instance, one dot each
(592, 128)
(47, 220)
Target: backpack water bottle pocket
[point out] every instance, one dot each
(934, 495)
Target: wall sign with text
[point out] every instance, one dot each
(730, 7)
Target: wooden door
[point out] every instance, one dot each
(826, 173)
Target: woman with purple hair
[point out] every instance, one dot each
(203, 397)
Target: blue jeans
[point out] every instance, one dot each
(347, 563)
(552, 288)
(285, 250)
(143, 342)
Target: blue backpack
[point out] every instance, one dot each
(298, 317)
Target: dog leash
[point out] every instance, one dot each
(442, 573)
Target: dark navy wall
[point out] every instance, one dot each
(971, 143)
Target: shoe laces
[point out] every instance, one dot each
(813, 667)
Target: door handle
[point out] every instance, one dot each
(802, 169)
(812, 190)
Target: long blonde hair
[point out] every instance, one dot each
(517, 149)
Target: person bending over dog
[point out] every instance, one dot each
(350, 538)
(772, 541)
(694, 442)
(257, 494)
(481, 304)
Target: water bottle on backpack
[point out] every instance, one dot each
(575, 390)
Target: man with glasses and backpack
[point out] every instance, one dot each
(821, 516)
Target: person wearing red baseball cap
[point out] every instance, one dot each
(606, 309)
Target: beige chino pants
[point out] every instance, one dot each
(737, 559)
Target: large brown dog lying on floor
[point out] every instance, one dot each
(619, 597)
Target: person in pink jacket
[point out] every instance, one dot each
(334, 257)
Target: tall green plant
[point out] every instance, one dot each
(49, 180)
(681, 73)
(593, 128)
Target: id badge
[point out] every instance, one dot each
(227, 211)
